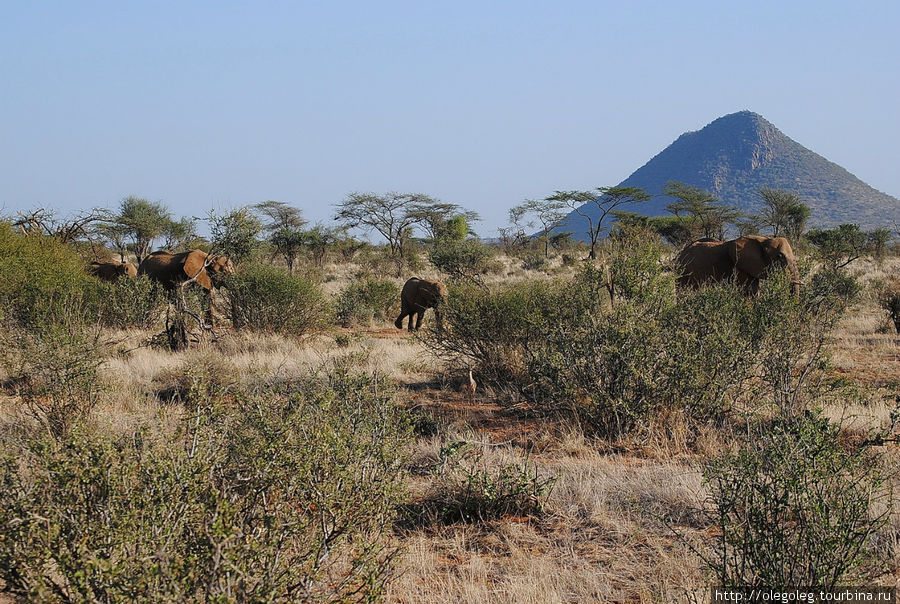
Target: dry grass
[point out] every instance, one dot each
(606, 535)
(607, 530)
(865, 346)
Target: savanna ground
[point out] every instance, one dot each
(621, 518)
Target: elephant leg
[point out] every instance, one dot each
(404, 310)
(207, 309)
(419, 316)
(748, 283)
(753, 288)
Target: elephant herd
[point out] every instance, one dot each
(170, 270)
(745, 261)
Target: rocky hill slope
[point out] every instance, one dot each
(737, 155)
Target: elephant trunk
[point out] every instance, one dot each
(795, 277)
(438, 317)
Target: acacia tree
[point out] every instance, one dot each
(701, 212)
(285, 229)
(393, 215)
(116, 236)
(318, 239)
(180, 235)
(605, 199)
(442, 219)
(784, 212)
(840, 246)
(235, 234)
(68, 230)
(143, 222)
(549, 213)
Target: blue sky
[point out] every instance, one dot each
(207, 104)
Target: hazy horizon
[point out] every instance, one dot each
(218, 105)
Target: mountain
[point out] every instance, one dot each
(737, 155)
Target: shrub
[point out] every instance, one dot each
(496, 329)
(363, 301)
(792, 507)
(471, 490)
(55, 370)
(286, 498)
(635, 268)
(533, 261)
(711, 350)
(41, 279)
(468, 259)
(203, 376)
(129, 302)
(835, 284)
(263, 297)
(561, 346)
(790, 333)
(888, 297)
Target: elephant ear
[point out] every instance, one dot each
(194, 265)
(748, 256)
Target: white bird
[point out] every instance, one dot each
(471, 386)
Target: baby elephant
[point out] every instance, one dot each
(417, 296)
(112, 271)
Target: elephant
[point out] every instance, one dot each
(745, 260)
(416, 297)
(112, 271)
(171, 270)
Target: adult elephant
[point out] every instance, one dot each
(416, 297)
(744, 260)
(172, 270)
(112, 271)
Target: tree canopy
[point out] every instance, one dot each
(605, 199)
(699, 211)
(394, 215)
(547, 212)
(784, 212)
(142, 221)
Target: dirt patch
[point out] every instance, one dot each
(492, 421)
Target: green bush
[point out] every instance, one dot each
(635, 268)
(499, 329)
(128, 302)
(829, 283)
(50, 345)
(264, 297)
(363, 301)
(467, 259)
(41, 279)
(286, 496)
(793, 507)
(563, 346)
